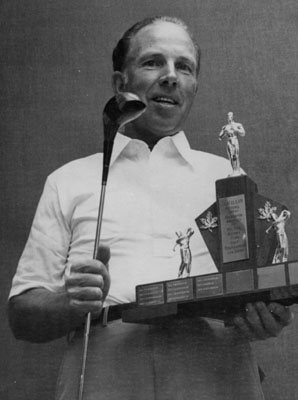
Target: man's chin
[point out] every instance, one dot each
(168, 131)
(156, 127)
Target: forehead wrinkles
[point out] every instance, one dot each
(162, 38)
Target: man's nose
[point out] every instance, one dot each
(169, 75)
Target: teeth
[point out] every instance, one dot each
(165, 100)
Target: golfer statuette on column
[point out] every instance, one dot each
(245, 233)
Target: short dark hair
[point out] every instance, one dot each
(122, 48)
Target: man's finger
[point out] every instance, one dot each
(256, 323)
(283, 314)
(86, 294)
(271, 325)
(243, 326)
(85, 280)
(94, 267)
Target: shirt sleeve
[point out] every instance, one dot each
(44, 258)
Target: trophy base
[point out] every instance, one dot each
(219, 295)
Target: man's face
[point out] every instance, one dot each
(161, 68)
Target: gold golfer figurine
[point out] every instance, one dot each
(232, 130)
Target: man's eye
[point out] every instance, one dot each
(151, 63)
(185, 67)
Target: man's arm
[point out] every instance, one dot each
(40, 315)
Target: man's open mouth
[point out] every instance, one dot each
(165, 100)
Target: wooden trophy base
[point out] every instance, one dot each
(219, 295)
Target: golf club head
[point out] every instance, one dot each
(120, 110)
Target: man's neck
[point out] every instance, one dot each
(148, 137)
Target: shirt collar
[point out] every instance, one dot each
(175, 144)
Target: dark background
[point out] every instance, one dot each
(55, 81)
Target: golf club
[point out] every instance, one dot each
(119, 111)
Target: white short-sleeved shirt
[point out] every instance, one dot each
(150, 196)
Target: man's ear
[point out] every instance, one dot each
(119, 81)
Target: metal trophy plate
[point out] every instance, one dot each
(233, 228)
(245, 235)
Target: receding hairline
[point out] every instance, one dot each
(123, 46)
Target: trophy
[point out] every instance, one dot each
(246, 237)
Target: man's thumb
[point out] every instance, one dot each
(103, 254)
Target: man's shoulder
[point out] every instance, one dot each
(210, 165)
(201, 157)
(81, 167)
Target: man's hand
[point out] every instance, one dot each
(88, 284)
(262, 321)
(39, 315)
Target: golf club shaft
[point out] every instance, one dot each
(85, 350)
(95, 255)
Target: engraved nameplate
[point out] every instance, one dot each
(209, 285)
(233, 225)
(151, 294)
(179, 290)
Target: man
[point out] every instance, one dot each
(157, 186)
